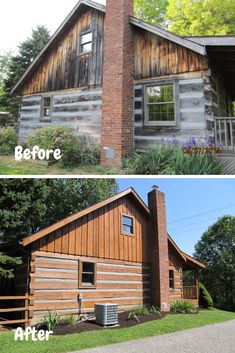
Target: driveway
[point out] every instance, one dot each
(217, 338)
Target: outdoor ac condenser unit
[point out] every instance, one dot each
(106, 314)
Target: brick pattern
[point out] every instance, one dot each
(159, 246)
(118, 82)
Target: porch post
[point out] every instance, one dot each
(196, 280)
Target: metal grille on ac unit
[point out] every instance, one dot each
(106, 314)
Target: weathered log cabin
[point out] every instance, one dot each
(123, 84)
(117, 251)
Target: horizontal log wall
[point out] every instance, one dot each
(54, 284)
(175, 264)
(78, 110)
(64, 67)
(156, 56)
(190, 113)
(99, 234)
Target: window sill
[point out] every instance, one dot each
(128, 234)
(86, 53)
(162, 127)
(45, 120)
(87, 287)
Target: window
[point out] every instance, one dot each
(86, 42)
(46, 107)
(127, 225)
(87, 274)
(160, 104)
(171, 279)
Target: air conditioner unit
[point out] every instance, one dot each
(106, 314)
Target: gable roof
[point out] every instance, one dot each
(32, 238)
(183, 41)
(67, 20)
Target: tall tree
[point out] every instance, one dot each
(216, 250)
(201, 17)
(28, 50)
(151, 11)
(28, 205)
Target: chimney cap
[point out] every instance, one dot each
(155, 187)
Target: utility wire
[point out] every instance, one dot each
(201, 214)
(190, 224)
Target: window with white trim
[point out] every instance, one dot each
(160, 104)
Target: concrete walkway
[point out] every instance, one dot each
(217, 338)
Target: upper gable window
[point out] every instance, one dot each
(86, 42)
(127, 225)
(160, 104)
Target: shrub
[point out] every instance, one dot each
(8, 141)
(170, 159)
(75, 153)
(157, 160)
(51, 320)
(205, 299)
(182, 307)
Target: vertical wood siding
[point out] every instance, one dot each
(156, 56)
(63, 67)
(99, 235)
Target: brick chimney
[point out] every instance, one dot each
(159, 250)
(117, 138)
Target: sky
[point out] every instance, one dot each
(18, 18)
(186, 198)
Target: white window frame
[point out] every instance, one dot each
(146, 110)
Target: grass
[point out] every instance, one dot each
(9, 166)
(62, 344)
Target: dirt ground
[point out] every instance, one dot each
(61, 330)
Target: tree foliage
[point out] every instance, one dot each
(28, 50)
(7, 265)
(201, 17)
(13, 67)
(151, 11)
(28, 205)
(216, 250)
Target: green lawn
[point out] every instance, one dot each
(61, 344)
(8, 166)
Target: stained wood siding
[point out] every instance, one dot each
(63, 67)
(156, 56)
(99, 235)
(54, 284)
(78, 110)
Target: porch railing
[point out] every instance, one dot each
(225, 132)
(23, 308)
(190, 292)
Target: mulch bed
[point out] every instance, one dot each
(64, 329)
